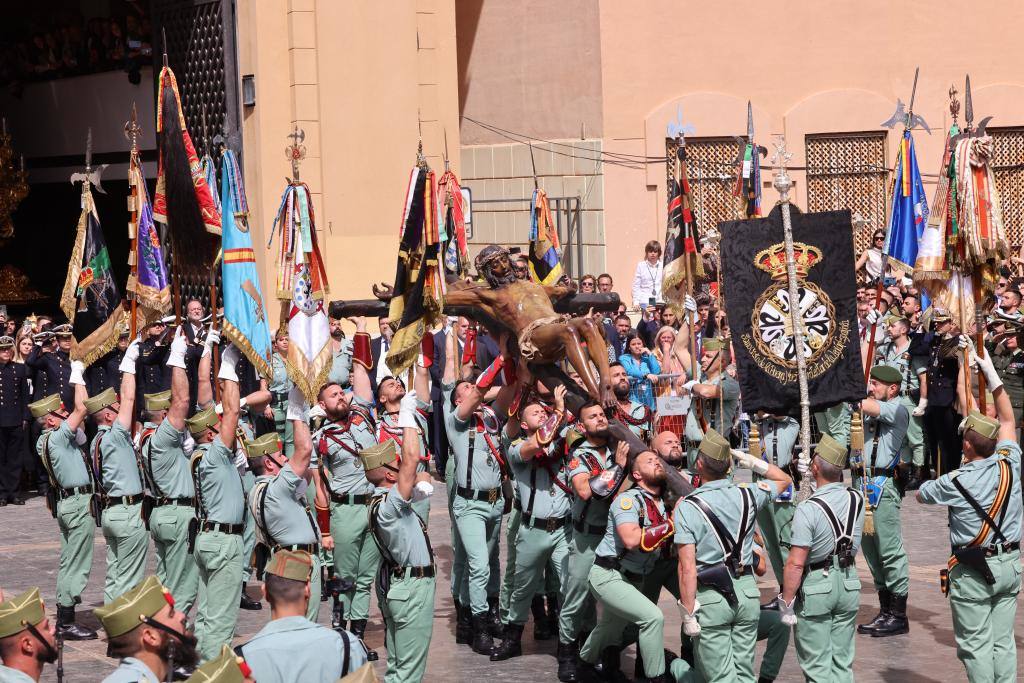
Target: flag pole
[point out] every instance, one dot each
(687, 274)
(131, 131)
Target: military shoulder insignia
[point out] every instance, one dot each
(626, 503)
(574, 463)
(1005, 452)
(743, 485)
(763, 485)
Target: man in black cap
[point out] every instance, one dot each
(940, 417)
(14, 399)
(51, 356)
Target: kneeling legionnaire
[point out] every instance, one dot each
(984, 500)
(70, 501)
(147, 634)
(821, 571)
(27, 640)
(718, 593)
(226, 668)
(291, 648)
(405, 580)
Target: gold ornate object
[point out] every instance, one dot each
(857, 452)
(13, 185)
(15, 287)
(296, 151)
(754, 440)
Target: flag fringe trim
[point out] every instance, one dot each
(299, 369)
(68, 299)
(245, 346)
(102, 340)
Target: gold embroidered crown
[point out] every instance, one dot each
(773, 259)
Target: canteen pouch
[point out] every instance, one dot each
(147, 509)
(51, 501)
(717, 578)
(193, 531)
(973, 557)
(944, 581)
(873, 487)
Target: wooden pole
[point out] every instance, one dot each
(134, 236)
(979, 342)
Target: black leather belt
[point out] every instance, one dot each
(486, 495)
(742, 570)
(111, 501)
(584, 528)
(361, 499)
(183, 502)
(235, 529)
(74, 491)
(311, 548)
(549, 524)
(827, 563)
(413, 572)
(615, 565)
(993, 550)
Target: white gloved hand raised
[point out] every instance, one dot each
(691, 626)
(872, 316)
(131, 358)
(297, 408)
(422, 490)
(786, 610)
(985, 367)
(316, 411)
(921, 406)
(176, 355)
(688, 387)
(749, 462)
(690, 304)
(228, 359)
(77, 373)
(407, 410)
(212, 338)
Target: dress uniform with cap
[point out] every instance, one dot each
(120, 492)
(226, 668)
(220, 508)
(56, 365)
(778, 438)
(23, 612)
(941, 417)
(883, 550)
(829, 524)
(72, 488)
(293, 649)
(984, 607)
(728, 625)
(14, 400)
(168, 478)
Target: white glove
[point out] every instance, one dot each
(985, 367)
(297, 408)
(188, 445)
(872, 317)
(131, 358)
(690, 304)
(316, 411)
(77, 370)
(407, 410)
(964, 342)
(691, 626)
(422, 490)
(786, 610)
(802, 468)
(921, 405)
(80, 437)
(749, 462)
(228, 359)
(688, 387)
(176, 355)
(212, 337)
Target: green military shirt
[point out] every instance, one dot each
(981, 479)
(835, 422)
(778, 438)
(9, 675)
(1010, 366)
(486, 472)
(341, 363)
(725, 500)
(538, 493)
(65, 456)
(399, 529)
(278, 504)
(811, 528)
(119, 470)
(280, 383)
(347, 476)
(165, 461)
(296, 649)
(634, 506)
(389, 429)
(590, 460)
(221, 492)
(891, 428)
(638, 419)
(131, 670)
(729, 401)
(910, 367)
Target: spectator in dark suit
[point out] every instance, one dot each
(438, 436)
(379, 347)
(617, 334)
(105, 372)
(53, 359)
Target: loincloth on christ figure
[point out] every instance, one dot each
(527, 349)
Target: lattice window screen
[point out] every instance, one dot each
(710, 166)
(1008, 165)
(848, 171)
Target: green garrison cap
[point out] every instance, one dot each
(201, 421)
(831, 451)
(887, 374)
(715, 344)
(45, 406)
(379, 455)
(985, 426)
(268, 444)
(161, 400)
(95, 404)
(20, 610)
(715, 446)
(126, 612)
(296, 565)
(226, 668)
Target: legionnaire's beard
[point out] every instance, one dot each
(674, 457)
(602, 433)
(621, 390)
(657, 479)
(341, 412)
(185, 653)
(338, 334)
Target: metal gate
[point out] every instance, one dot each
(567, 214)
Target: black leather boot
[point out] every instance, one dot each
(358, 627)
(896, 623)
(245, 602)
(511, 646)
(884, 601)
(765, 679)
(587, 673)
(541, 625)
(554, 611)
(773, 604)
(494, 625)
(566, 655)
(69, 629)
(463, 624)
(483, 644)
(611, 666)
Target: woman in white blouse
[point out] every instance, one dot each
(647, 279)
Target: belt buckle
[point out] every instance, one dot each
(492, 496)
(552, 525)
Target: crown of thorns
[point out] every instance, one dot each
(488, 255)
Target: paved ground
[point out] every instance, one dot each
(30, 543)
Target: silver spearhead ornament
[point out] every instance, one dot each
(906, 116)
(90, 175)
(970, 131)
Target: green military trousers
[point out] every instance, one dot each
(409, 625)
(622, 604)
(283, 427)
(578, 608)
(458, 581)
(912, 450)
(835, 422)
(313, 608)
(175, 566)
(219, 558)
(883, 550)
(776, 634)
(553, 578)
(127, 543)
(76, 531)
(983, 618)
(479, 525)
(724, 650)
(826, 623)
(776, 521)
(536, 550)
(356, 557)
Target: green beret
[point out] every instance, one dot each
(161, 400)
(201, 421)
(126, 612)
(715, 446)
(105, 398)
(45, 406)
(715, 344)
(268, 444)
(296, 565)
(378, 455)
(831, 451)
(226, 668)
(887, 374)
(985, 426)
(20, 611)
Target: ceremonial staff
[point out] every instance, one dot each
(131, 131)
(976, 283)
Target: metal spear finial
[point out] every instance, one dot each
(968, 105)
(750, 123)
(90, 175)
(296, 151)
(781, 182)
(132, 129)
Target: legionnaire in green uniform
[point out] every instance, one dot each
(835, 422)
(279, 386)
(716, 392)
(70, 501)
(278, 501)
(220, 506)
(226, 668)
(984, 501)
(714, 532)
(390, 391)
(778, 438)
(341, 355)
(885, 428)
(119, 490)
(913, 369)
(27, 642)
(821, 576)
(147, 634)
(636, 416)
(1008, 360)
(406, 577)
(291, 648)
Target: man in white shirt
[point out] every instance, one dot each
(647, 279)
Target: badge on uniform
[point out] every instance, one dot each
(763, 485)
(574, 463)
(627, 503)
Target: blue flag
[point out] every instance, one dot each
(909, 209)
(245, 312)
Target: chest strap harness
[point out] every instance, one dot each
(718, 576)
